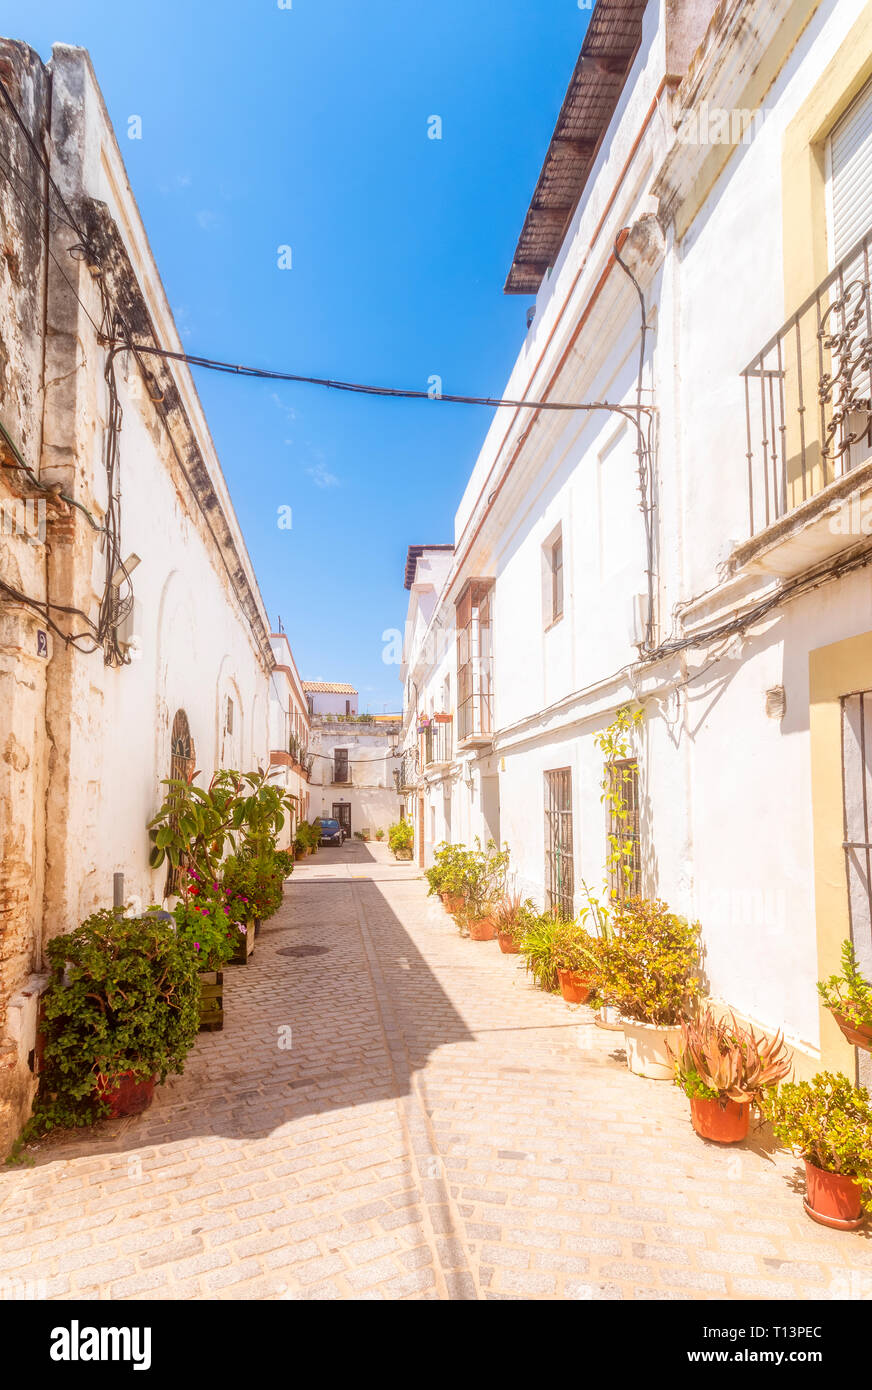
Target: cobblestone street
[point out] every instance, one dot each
(438, 1129)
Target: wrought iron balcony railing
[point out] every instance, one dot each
(407, 776)
(438, 741)
(808, 394)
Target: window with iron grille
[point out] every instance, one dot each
(474, 667)
(559, 869)
(857, 795)
(340, 764)
(625, 854)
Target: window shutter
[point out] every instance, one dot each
(851, 175)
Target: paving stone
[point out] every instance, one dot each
(512, 1163)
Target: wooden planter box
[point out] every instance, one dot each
(211, 1001)
(245, 946)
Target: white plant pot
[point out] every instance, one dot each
(610, 1018)
(646, 1048)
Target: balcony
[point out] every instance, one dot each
(407, 777)
(808, 406)
(437, 741)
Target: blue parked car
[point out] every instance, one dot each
(331, 832)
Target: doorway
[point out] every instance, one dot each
(342, 813)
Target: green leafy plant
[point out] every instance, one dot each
(401, 836)
(204, 925)
(537, 948)
(194, 826)
(719, 1060)
(259, 813)
(307, 838)
(616, 743)
(829, 1122)
(448, 871)
(572, 948)
(646, 968)
(484, 876)
(849, 993)
(123, 996)
(252, 886)
(379, 834)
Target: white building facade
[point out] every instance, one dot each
(355, 767)
(134, 643)
(697, 244)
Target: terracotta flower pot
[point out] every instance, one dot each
(858, 1034)
(724, 1124)
(508, 945)
(648, 1047)
(453, 901)
(833, 1199)
(124, 1094)
(575, 985)
(483, 929)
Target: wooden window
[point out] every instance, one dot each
(625, 866)
(340, 764)
(556, 567)
(347, 707)
(228, 720)
(559, 866)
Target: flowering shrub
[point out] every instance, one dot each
(206, 928)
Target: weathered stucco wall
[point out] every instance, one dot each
(83, 744)
(22, 564)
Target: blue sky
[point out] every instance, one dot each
(306, 127)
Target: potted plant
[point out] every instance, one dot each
(574, 956)
(537, 948)
(597, 916)
(848, 996)
(484, 880)
(401, 838)
(121, 1011)
(828, 1122)
(647, 971)
(512, 916)
(724, 1069)
(205, 926)
(379, 834)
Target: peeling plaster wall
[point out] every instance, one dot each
(22, 565)
(83, 746)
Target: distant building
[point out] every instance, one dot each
(289, 734)
(330, 697)
(355, 767)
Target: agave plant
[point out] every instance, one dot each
(717, 1059)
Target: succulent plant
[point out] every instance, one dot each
(719, 1059)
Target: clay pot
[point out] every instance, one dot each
(724, 1124)
(483, 929)
(508, 945)
(858, 1034)
(453, 901)
(125, 1094)
(648, 1048)
(575, 985)
(833, 1199)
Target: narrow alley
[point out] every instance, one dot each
(395, 1112)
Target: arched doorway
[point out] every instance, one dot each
(183, 767)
